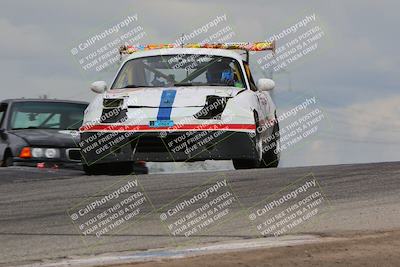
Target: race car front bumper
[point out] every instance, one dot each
(166, 146)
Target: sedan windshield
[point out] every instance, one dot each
(46, 115)
(180, 70)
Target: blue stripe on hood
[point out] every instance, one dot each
(166, 102)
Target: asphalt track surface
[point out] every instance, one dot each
(35, 226)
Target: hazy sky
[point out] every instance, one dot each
(354, 72)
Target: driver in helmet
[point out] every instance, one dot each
(220, 73)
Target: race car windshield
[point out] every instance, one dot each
(46, 115)
(180, 70)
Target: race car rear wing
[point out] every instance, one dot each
(257, 46)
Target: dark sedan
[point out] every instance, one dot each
(40, 132)
(44, 133)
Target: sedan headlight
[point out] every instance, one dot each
(52, 153)
(49, 153)
(37, 152)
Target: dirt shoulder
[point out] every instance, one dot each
(366, 249)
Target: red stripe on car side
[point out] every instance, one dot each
(199, 127)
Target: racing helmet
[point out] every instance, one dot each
(220, 72)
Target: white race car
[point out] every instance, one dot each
(190, 103)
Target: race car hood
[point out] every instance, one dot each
(193, 96)
(48, 137)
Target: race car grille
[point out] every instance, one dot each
(150, 144)
(74, 154)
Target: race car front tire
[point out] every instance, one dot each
(240, 164)
(270, 158)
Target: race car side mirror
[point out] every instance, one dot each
(98, 87)
(265, 84)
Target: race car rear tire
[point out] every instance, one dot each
(118, 168)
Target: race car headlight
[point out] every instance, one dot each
(213, 108)
(52, 153)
